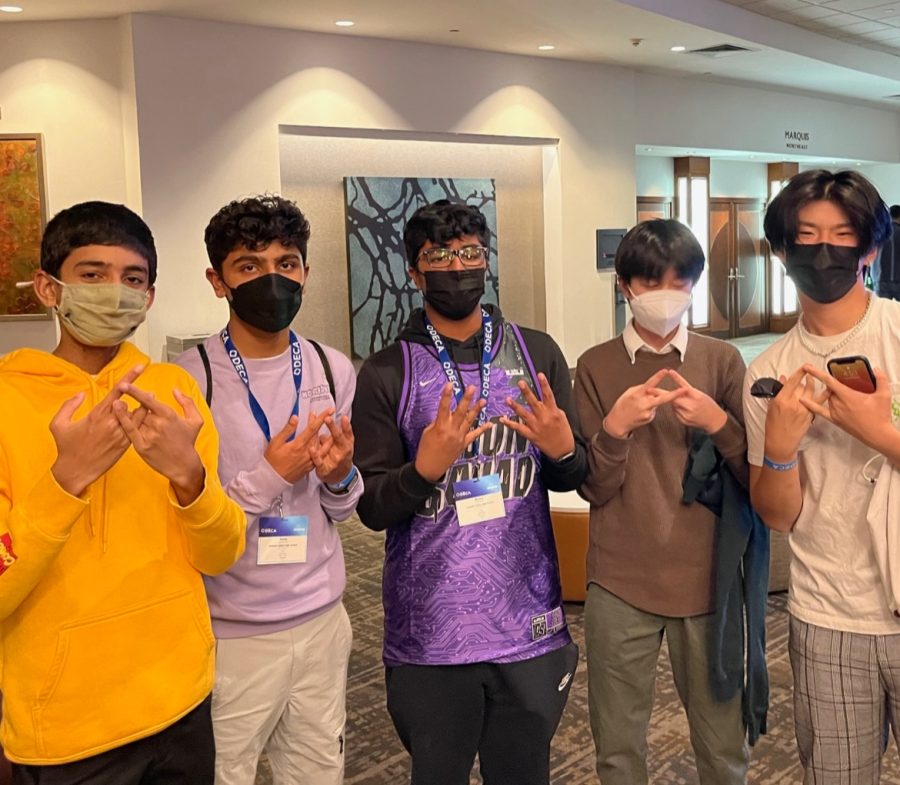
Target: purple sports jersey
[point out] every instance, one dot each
(488, 592)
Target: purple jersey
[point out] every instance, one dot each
(488, 592)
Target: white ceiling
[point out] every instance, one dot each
(784, 55)
(874, 24)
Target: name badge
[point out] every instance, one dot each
(282, 539)
(478, 500)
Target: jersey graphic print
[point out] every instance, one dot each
(487, 592)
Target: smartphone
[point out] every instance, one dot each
(854, 371)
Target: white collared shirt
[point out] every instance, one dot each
(634, 342)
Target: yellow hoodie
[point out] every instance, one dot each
(104, 630)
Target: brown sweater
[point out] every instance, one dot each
(646, 547)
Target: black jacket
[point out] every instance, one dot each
(394, 490)
(741, 584)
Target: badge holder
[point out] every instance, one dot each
(282, 538)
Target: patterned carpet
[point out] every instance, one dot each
(375, 757)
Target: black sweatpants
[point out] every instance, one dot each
(182, 754)
(506, 713)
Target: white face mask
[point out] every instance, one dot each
(101, 314)
(660, 311)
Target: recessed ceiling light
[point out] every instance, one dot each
(11, 9)
(546, 47)
(648, 149)
(344, 23)
(678, 49)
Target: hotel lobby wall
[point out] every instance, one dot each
(209, 135)
(63, 80)
(209, 99)
(312, 171)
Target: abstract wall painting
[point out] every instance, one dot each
(22, 211)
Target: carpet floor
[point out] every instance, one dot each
(375, 756)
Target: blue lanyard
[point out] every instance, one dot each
(450, 368)
(238, 362)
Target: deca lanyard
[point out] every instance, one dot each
(450, 367)
(238, 362)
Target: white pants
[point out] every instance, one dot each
(286, 693)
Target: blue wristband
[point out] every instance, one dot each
(344, 484)
(779, 467)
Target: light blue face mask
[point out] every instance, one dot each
(101, 314)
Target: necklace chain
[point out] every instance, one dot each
(847, 338)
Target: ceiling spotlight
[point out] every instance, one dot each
(546, 47)
(648, 149)
(678, 49)
(11, 9)
(344, 23)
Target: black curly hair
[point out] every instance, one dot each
(439, 223)
(254, 224)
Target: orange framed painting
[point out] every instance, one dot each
(22, 218)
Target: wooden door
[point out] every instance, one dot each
(737, 268)
(751, 312)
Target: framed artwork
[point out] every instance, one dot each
(22, 218)
(377, 208)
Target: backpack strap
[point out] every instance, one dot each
(326, 366)
(201, 349)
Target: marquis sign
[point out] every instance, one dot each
(796, 140)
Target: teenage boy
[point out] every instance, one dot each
(809, 447)
(110, 509)
(464, 424)
(650, 564)
(283, 634)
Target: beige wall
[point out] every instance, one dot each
(209, 134)
(63, 80)
(312, 172)
(177, 117)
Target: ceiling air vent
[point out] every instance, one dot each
(720, 50)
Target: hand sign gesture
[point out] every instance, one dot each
(333, 455)
(450, 434)
(89, 447)
(637, 406)
(164, 439)
(788, 418)
(542, 422)
(865, 416)
(292, 459)
(695, 408)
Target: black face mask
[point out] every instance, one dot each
(823, 272)
(454, 293)
(268, 303)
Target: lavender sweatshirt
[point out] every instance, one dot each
(252, 599)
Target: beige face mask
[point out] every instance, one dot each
(101, 314)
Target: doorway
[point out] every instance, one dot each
(737, 268)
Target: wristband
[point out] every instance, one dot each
(567, 457)
(779, 467)
(344, 485)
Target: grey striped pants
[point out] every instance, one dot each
(846, 698)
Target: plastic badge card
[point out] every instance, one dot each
(282, 540)
(478, 500)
